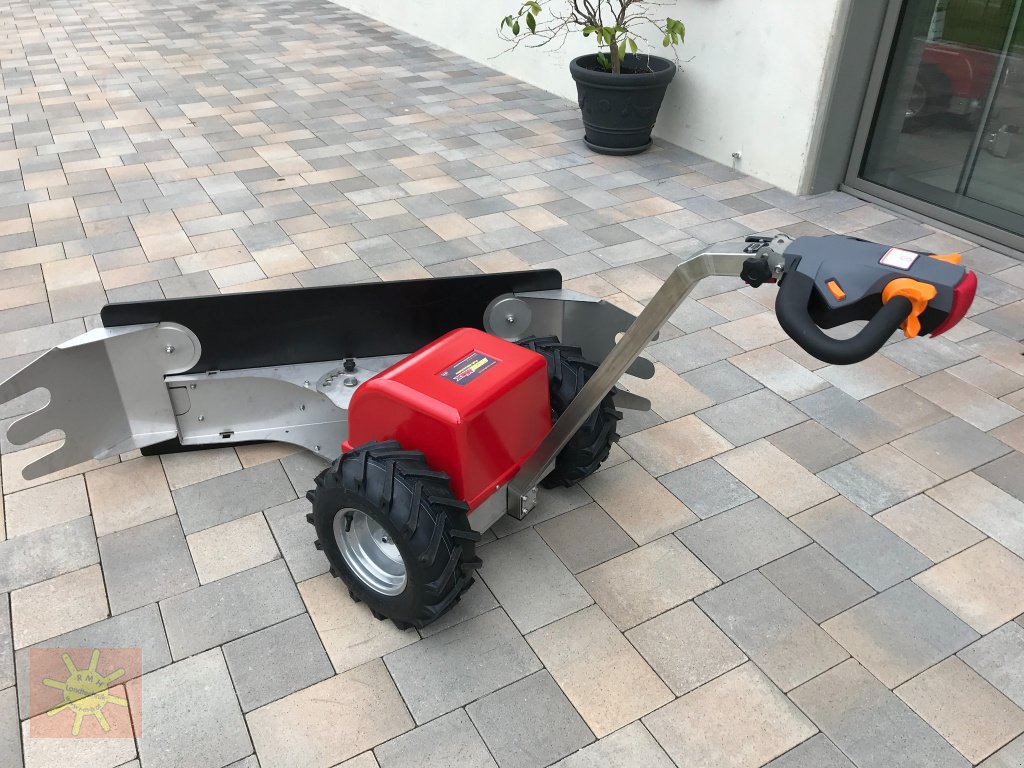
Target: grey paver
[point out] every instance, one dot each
(900, 633)
(461, 664)
(862, 544)
(176, 731)
(741, 539)
(436, 744)
(926, 359)
(141, 628)
(10, 728)
(231, 496)
(722, 381)
(999, 658)
(585, 537)
(627, 747)
(230, 608)
(853, 420)
(529, 724)
(813, 446)
(751, 417)
(529, 580)
(1006, 473)
(146, 563)
(295, 539)
(816, 752)
(260, 671)
(870, 724)
(951, 447)
(694, 350)
(771, 630)
(6, 645)
(707, 488)
(46, 553)
(879, 479)
(1010, 756)
(818, 583)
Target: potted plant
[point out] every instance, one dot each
(620, 90)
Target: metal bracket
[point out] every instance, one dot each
(575, 318)
(107, 393)
(724, 259)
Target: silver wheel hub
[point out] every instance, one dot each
(369, 552)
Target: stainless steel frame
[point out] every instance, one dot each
(116, 389)
(995, 237)
(726, 259)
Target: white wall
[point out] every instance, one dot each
(753, 71)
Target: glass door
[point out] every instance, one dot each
(948, 127)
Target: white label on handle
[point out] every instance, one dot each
(897, 257)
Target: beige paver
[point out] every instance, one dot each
(929, 527)
(192, 467)
(674, 445)
(644, 582)
(600, 672)
(983, 585)
(232, 547)
(969, 713)
(349, 632)
(128, 494)
(644, 508)
(775, 477)
(740, 720)
(58, 605)
(46, 505)
(362, 706)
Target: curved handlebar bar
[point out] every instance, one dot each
(791, 308)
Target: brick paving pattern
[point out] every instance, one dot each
(784, 563)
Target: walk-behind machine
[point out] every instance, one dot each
(452, 399)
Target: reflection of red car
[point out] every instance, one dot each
(952, 79)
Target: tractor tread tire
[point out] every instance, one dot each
(415, 505)
(568, 371)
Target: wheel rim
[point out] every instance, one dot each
(369, 552)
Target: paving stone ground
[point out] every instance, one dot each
(784, 563)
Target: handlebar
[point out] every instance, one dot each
(829, 281)
(791, 310)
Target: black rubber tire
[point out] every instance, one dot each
(933, 93)
(568, 371)
(415, 505)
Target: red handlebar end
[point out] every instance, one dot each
(963, 296)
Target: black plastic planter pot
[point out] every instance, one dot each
(619, 110)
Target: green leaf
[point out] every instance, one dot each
(632, 45)
(531, 22)
(603, 60)
(622, 50)
(515, 27)
(666, 41)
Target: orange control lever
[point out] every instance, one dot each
(919, 295)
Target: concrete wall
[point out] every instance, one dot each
(753, 74)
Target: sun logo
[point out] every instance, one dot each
(86, 692)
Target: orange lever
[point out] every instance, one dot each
(950, 258)
(919, 295)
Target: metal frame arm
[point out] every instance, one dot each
(726, 259)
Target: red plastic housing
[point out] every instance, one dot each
(477, 406)
(963, 295)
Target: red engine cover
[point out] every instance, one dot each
(477, 406)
